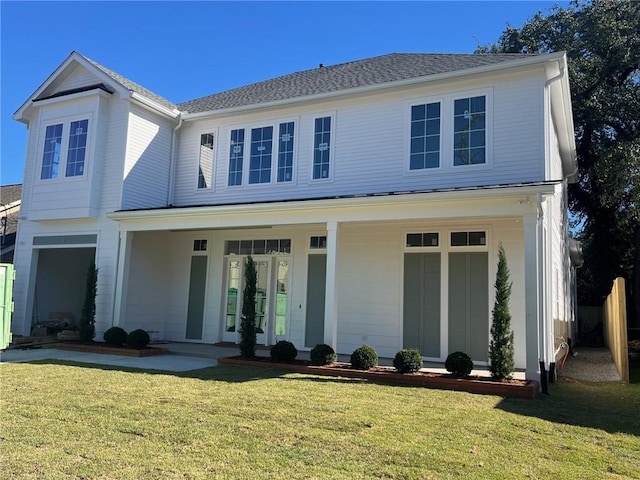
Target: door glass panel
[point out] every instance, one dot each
(262, 299)
(233, 286)
(281, 297)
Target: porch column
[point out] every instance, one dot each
(122, 277)
(532, 243)
(331, 291)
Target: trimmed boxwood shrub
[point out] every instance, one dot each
(322, 354)
(138, 338)
(284, 351)
(459, 364)
(364, 358)
(115, 336)
(408, 360)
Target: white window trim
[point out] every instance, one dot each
(246, 157)
(407, 144)
(216, 155)
(64, 148)
(446, 132)
(488, 132)
(332, 146)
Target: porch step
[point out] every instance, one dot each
(35, 341)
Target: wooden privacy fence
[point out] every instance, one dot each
(615, 328)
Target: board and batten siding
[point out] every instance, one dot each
(370, 143)
(147, 161)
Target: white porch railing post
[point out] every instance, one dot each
(331, 292)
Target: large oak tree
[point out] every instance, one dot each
(602, 41)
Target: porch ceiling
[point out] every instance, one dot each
(446, 204)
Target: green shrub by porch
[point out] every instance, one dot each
(459, 364)
(138, 338)
(501, 352)
(284, 351)
(115, 336)
(408, 360)
(322, 354)
(248, 323)
(364, 358)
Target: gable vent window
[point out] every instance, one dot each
(199, 245)
(317, 243)
(423, 240)
(463, 239)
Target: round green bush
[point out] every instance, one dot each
(322, 354)
(284, 351)
(364, 358)
(115, 336)
(459, 364)
(408, 360)
(138, 338)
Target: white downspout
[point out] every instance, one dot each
(172, 164)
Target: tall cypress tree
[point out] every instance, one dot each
(248, 322)
(501, 357)
(87, 330)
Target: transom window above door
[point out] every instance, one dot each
(258, 247)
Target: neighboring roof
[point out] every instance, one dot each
(130, 85)
(360, 73)
(10, 194)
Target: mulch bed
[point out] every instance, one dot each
(472, 384)
(100, 347)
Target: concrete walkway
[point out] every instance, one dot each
(171, 363)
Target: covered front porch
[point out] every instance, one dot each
(342, 273)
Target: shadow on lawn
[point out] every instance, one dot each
(612, 407)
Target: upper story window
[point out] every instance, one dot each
(469, 131)
(260, 157)
(285, 152)
(236, 154)
(321, 148)
(263, 148)
(425, 136)
(75, 134)
(77, 148)
(205, 162)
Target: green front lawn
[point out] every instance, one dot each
(73, 421)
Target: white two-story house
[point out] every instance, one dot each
(372, 195)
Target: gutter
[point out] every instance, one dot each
(172, 163)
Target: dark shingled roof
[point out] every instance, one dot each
(360, 73)
(132, 86)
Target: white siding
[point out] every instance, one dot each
(146, 170)
(75, 77)
(370, 140)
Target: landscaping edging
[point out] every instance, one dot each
(527, 389)
(100, 348)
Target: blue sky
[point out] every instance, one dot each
(185, 50)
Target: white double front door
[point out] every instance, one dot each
(272, 303)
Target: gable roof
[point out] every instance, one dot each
(131, 85)
(360, 73)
